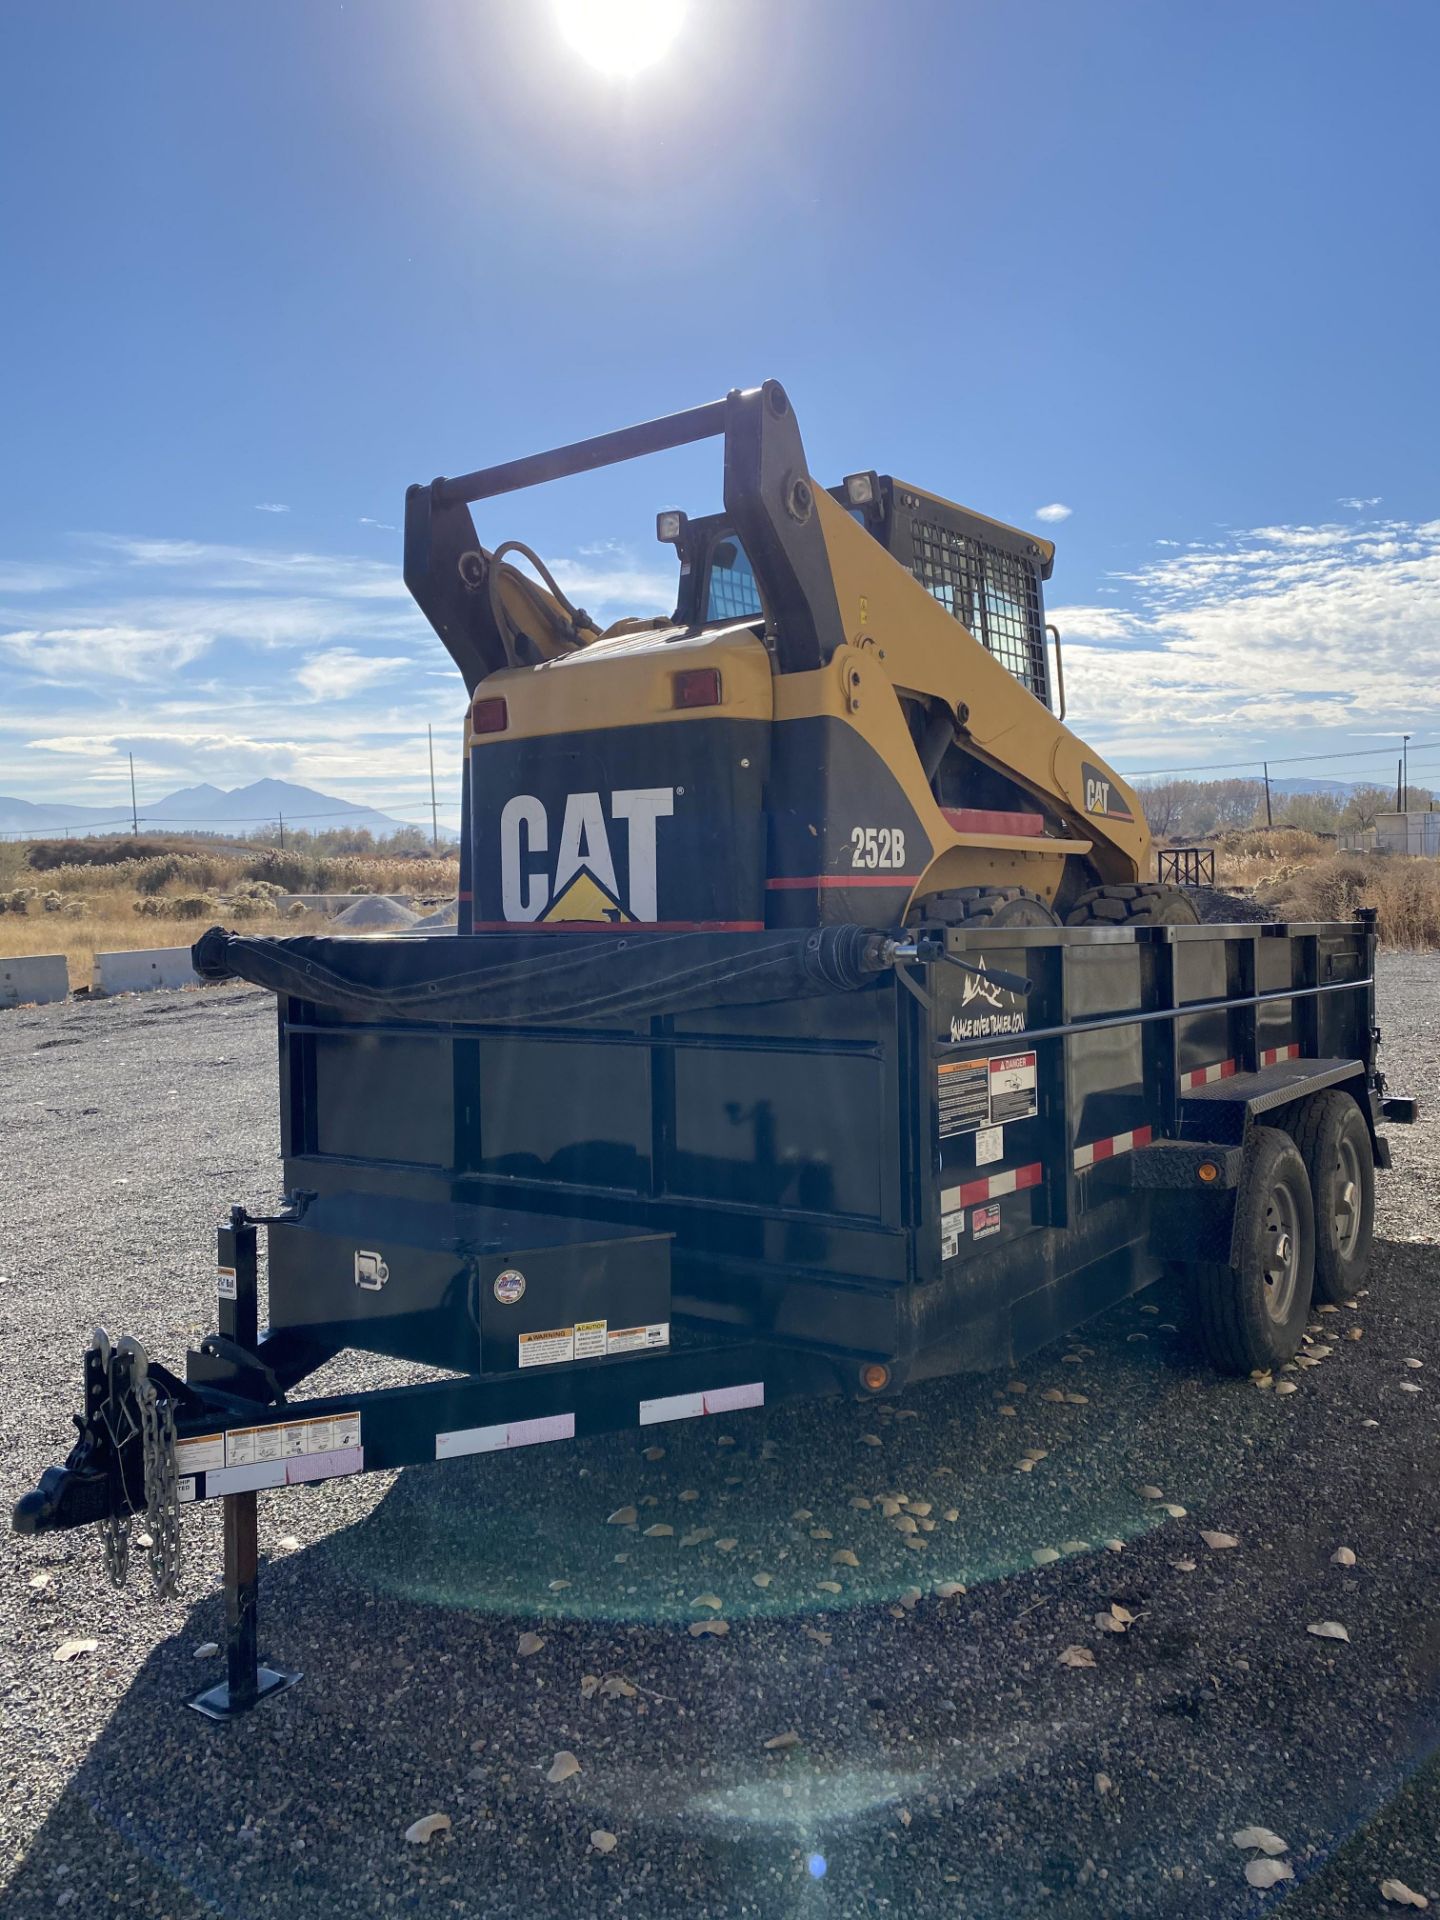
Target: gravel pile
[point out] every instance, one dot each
(944, 1760)
(375, 915)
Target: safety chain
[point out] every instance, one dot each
(115, 1539)
(162, 1487)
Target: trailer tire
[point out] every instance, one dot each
(1251, 1315)
(983, 907)
(1134, 906)
(1334, 1143)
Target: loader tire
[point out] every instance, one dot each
(1252, 1315)
(1133, 906)
(1334, 1143)
(983, 907)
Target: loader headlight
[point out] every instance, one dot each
(860, 489)
(670, 526)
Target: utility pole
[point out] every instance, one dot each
(434, 816)
(1405, 771)
(134, 811)
(1269, 816)
(281, 818)
(1400, 785)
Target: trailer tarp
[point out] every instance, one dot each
(508, 979)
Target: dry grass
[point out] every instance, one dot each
(183, 872)
(1405, 892)
(110, 925)
(1256, 857)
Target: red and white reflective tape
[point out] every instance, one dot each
(693, 1406)
(990, 1187)
(1107, 1149)
(1203, 1076)
(1272, 1056)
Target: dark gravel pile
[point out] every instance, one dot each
(946, 1761)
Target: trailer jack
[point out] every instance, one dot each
(124, 1467)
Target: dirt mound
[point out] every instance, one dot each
(375, 915)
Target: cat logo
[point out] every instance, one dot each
(584, 899)
(580, 883)
(1101, 798)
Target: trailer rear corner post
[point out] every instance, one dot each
(247, 1682)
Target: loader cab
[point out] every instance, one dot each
(985, 574)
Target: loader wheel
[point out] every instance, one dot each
(1253, 1314)
(1133, 906)
(983, 907)
(1334, 1143)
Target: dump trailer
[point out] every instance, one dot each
(608, 1173)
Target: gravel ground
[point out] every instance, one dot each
(947, 1763)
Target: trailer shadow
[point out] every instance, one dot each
(945, 1762)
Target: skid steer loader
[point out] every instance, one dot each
(851, 716)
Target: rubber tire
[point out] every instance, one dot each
(983, 907)
(1321, 1123)
(1232, 1321)
(1134, 906)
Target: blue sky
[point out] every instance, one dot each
(1171, 267)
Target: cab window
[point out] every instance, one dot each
(730, 589)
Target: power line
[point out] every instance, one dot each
(1288, 760)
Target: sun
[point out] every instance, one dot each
(620, 37)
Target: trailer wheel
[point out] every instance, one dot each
(1253, 1314)
(983, 907)
(1134, 906)
(1334, 1143)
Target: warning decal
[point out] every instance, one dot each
(589, 1339)
(1012, 1088)
(287, 1440)
(964, 1096)
(986, 1093)
(984, 1221)
(547, 1349)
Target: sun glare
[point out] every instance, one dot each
(620, 37)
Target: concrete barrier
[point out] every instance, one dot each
(33, 979)
(142, 968)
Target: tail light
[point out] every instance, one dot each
(698, 687)
(489, 716)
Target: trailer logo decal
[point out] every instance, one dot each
(535, 887)
(371, 1272)
(509, 1286)
(1007, 1010)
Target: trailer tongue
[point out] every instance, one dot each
(619, 1178)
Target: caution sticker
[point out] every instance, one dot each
(225, 1282)
(984, 1221)
(547, 1349)
(590, 1339)
(200, 1454)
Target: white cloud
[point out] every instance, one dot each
(1357, 502)
(1274, 633)
(341, 673)
(1057, 510)
(383, 526)
(270, 506)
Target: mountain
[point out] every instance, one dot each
(203, 809)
